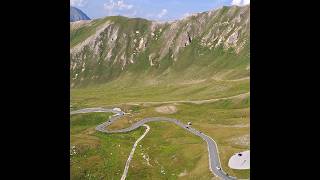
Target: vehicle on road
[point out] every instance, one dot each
(218, 168)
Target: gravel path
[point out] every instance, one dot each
(191, 101)
(125, 172)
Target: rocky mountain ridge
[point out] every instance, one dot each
(213, 43)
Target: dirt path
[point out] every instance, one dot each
(190, 101)
(231, 80)
(125, 171)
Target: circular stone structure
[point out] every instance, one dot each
(240, 160)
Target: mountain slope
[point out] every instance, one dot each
(206, 45)
(77, 15)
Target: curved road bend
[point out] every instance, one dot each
(214, 160)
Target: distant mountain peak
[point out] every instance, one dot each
(77, 15)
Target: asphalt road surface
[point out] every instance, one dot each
(214, 160)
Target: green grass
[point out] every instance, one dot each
(99, 155)
(168, 146)
(80, 34)
(171, 149)
(199, 73)
(104, 95)
(222, 120)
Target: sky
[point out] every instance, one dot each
(159, 10)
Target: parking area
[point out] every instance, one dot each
(240, 160)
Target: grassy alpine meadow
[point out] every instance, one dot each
(118, 93)
(95, 155)
(226, 121)
(169, 152)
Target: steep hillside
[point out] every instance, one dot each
(208, 45)
(77, 15)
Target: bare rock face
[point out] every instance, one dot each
(233, 38)
(102, 47)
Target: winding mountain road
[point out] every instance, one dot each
(214, 160)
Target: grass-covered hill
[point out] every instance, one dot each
(213, 44)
